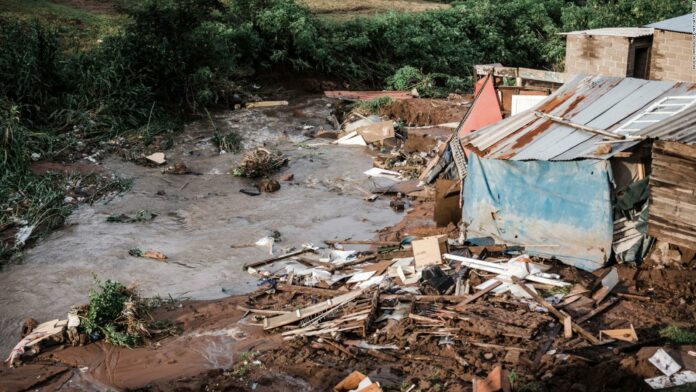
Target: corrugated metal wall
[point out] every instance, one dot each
(672, 206)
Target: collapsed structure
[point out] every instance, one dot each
(567, 178)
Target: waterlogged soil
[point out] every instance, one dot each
(205, 226)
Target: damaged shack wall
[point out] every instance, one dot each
(556, 209)
(672, 207)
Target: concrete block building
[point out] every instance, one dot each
(659, 51)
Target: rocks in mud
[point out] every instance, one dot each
(268, 185)
(324, 134)
(177, 168)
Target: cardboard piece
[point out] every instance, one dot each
(157, 158)
(429, 250)
(664, 362)
(351, 139)
(447, 208)
(377, 132)
(357, 382)
(680, 378)
(496, 381)
(625, 334)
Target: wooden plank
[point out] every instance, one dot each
(676, 148)
(478, 295)
(262, 311)
(362, 242)
(277, 258)
(424, 298)
(303, 313)
(597, 310)
(543, 75)
(307, 290)
(672, 208)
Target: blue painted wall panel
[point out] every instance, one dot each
(555, 209)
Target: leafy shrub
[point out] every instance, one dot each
(229, 142)
(621, 13)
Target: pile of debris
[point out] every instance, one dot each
(431, 303)
(115, 313)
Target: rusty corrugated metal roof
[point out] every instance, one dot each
(599, 102)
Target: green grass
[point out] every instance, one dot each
(85, 26)
(678, 335)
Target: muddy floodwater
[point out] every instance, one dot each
(205, 226)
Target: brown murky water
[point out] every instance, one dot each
(199, 219)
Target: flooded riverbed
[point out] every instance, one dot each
(203, 220)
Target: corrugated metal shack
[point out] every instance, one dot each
(610, 121)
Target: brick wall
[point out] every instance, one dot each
(671, 57)
(596, 55)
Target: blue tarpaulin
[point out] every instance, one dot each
(555, 209)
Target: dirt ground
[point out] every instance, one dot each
(222, 344)
(422, 111)
(250, 358)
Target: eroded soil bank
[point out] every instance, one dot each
(203, 221)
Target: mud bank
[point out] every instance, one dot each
(203, 220)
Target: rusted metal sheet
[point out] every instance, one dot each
(367, 95)
(672, 208)
(599, 102)
(484, 111)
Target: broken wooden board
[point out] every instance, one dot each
(265, 104)
(625, 334)
(303, 313)
(478, 295)
(367, 95)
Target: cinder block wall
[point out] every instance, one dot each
(596, 55)
(671, 57)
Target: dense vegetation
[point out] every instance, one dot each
(173, 58)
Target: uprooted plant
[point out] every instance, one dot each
(260, 162)
(119, 315)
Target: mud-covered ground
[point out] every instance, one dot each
(205, 223)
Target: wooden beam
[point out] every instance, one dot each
(362, 242)
(597, 310)
(307, 290)
(478, 295)
(563, 121)
(277, 258)
(423, 298)
(300, 314)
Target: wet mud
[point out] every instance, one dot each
(205, 226)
